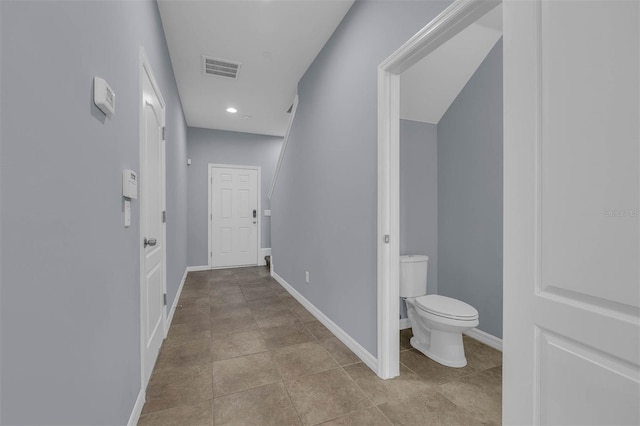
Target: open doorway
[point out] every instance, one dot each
(451, 185)
(433, 68)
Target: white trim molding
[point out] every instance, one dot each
(486, 338)
(342, 335)
(404, 323)
(198, 268)
(284, 146)
(174, 305)
(450, 22)
(261, 255)
(137, 408)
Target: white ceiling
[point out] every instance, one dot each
(274, 40)
(429, 87)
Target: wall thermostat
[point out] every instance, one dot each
(103, 96)
(129, 184)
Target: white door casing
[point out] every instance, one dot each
(571, 224)
(152, 227)
(234, 215)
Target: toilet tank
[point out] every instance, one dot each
(413, 275)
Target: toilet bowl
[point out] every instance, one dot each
(437, 321)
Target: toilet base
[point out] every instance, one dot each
(455, 362)
(439, 338)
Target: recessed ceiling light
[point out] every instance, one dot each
(232, 110)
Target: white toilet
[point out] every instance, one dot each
(437, 321)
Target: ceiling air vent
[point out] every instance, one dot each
(220, 67)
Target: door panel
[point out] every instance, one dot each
(582, 247)
(234, 230)
(565, 366)
(572, 229)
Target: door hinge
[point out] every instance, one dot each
(211, 216)
(211, 254)
(165, 299)
(164, 216)
(164, 133)
(386, 239)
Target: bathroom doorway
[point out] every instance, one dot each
(450, 143)
(427, 78)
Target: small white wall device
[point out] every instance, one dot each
(129, 184)
(103, 96)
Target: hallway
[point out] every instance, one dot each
(242, 351)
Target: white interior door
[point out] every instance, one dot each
(234, 216)
(152, 226)
(571, 223)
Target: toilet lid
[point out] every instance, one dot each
(446, 307)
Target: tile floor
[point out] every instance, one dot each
(242, 351)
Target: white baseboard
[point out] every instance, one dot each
(137, 409)
(486, 338)
(342, 335)
(172, 311)
(405, 323)
(198, 268)
(261, 254)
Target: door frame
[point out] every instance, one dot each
(210, 211)
(145, 67)
(458, 16)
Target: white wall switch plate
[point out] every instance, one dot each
(267, 212)
(306, 276)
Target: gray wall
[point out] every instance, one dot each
(419, 196)
(325, 203)
(470, 195)
(206, 146)
(70, 306)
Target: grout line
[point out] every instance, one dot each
(182, 404)
(405, 366)
(383, 414)
(309, 374)
(247, 389)
(358, 386)
(286, 389)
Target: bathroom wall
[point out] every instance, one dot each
(325, 203)
(419, 194)
(470, 195)
(70, 305)
(206, 146)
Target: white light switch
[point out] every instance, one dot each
(267, 212)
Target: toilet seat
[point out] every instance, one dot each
(446, 307)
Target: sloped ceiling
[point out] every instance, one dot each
(429, 87)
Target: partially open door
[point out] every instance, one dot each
(571, 218)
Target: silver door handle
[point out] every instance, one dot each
(150, 242)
